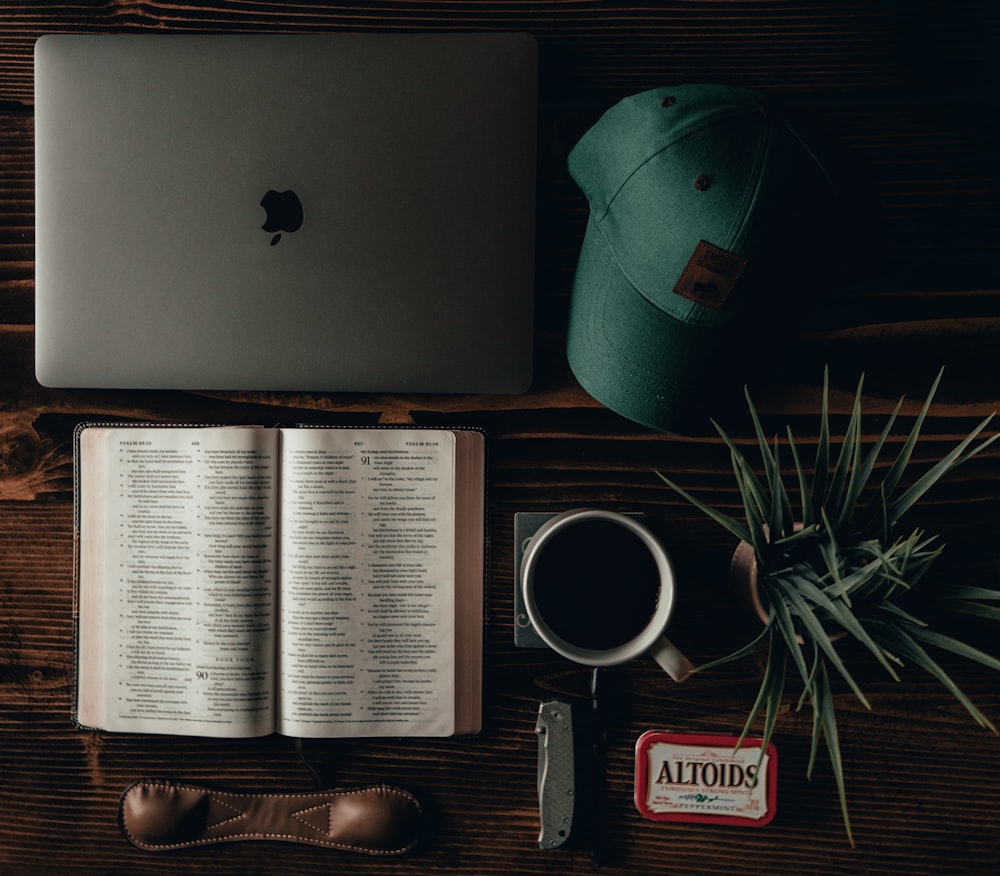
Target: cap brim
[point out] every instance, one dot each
(637, 360)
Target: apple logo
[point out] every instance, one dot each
(284, 213)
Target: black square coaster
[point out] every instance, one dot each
(526, 524)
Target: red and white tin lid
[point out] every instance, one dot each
(705, 779)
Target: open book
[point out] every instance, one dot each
(310, 582)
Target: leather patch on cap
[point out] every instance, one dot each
(710, 276)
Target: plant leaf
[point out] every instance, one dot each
(805, 492)
(739, 653)
(782, 619)
(899, 614)
(758, 503)
(868, 466)
(822, 450)
(769, 694)
(809, 695)
(762, 441)
(950, 461)
(972, 601)
(972, 609)
(955, 646)
(732, 526)
(904, 642)
(895, 473)
(780, 517)
(832, 551)
(815, 630)
(845, 472)
(826, 717)
(969, 591)
(843, 616)
(755, 523)
(855, 583)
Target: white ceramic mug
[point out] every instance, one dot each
(599, 589)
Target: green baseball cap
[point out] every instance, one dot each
(706, 212)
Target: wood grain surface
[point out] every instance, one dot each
(906, 96)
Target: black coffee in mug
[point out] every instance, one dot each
(596, 584)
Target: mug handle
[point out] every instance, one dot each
(677, 666)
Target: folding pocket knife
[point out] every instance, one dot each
(556, 772)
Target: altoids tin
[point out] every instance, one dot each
(705, 779)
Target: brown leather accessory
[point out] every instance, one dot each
(161, 815)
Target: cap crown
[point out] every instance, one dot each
(667, 169)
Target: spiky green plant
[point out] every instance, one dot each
(833, 567)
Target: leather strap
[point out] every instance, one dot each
(159, 815)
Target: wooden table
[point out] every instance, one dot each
(910, 94)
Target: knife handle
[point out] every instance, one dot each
(556, 773)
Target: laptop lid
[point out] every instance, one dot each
(350, 212)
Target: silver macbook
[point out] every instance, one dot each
(349, 212)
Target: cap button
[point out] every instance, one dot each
(667, 101)
(702, 182)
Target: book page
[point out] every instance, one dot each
(177, 580)
(367, 600)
